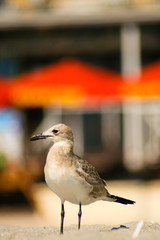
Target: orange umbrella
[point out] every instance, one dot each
(66, 83)
(147, 86)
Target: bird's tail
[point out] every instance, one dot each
(121, 200)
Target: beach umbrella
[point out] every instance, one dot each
(67, 83)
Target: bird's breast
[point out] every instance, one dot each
(65, 183)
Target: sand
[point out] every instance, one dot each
(149, 231)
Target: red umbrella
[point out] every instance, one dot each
(67, 83)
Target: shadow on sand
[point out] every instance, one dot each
(120, 227)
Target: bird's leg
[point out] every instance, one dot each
(62, 217)
(79, 216)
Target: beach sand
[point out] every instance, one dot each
(149, 231)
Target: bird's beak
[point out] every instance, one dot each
(39, 136)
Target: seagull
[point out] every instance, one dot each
(70, 177)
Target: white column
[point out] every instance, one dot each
(130, 50)
(132, 113)
(133, 153)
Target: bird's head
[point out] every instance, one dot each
(57, 133)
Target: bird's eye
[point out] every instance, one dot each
(55, 131)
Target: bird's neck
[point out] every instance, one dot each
(60, 153)
(62, 147)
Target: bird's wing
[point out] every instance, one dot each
(88, 172)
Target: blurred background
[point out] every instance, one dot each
(94, 65)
